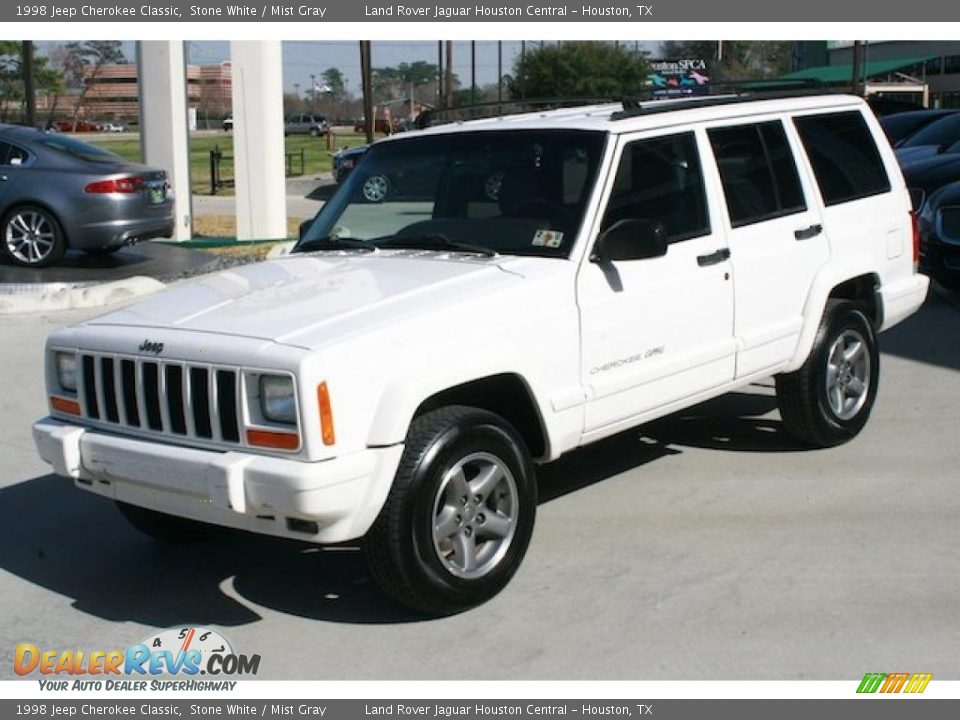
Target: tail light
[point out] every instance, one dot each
(915, 226)
(125, 186)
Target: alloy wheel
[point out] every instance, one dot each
(30, 236)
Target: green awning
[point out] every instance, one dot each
(828, 74)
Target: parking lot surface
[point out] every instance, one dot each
(706, 545)
(152, 259)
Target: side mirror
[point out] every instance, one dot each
(304, 227)
(632, 239)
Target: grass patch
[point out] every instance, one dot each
(226, 226)
(241, 250)
(316, 157)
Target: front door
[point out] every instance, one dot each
(659, 331)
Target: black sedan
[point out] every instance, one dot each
(940, 136)
(59, 193)
(900, 126)
(939, 221)
(346, 160)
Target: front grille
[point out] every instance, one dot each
(162, 396)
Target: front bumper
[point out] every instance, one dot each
(325, 502)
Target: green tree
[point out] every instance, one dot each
(333, 79)
(84, 61)
(11, 82)
(578, 69)
(395, 83)
(47, 79)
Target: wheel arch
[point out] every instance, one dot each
(856, 286)
(507, 395)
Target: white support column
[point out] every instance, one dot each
(258, 146)
(164, 139)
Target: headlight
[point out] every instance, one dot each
(67, 370)
(277, 401)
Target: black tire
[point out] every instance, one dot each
(375, 189)
(16, 224)
(314, 132)
(402, 550)
(804, 396)
(166, 528)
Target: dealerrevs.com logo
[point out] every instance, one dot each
(180, 651)
(894, 682)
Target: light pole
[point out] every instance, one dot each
(313, 92)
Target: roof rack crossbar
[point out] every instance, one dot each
(433, 116)
(741, 92)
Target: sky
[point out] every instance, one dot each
(303, 58)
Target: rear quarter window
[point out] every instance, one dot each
(844, 156)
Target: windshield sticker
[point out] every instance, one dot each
(548, 238)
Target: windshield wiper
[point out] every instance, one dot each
(436, 241)
(334, 243)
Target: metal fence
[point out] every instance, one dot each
(222, 168)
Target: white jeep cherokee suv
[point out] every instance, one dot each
(524, 286)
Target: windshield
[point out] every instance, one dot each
(512, 192)
(79, 149)
(941, 132)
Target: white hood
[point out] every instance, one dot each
(311, 300)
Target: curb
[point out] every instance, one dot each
(71, 298)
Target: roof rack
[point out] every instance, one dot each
(476, 111)
(725, 93)
(730, 91)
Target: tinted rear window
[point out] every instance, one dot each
(844, 156)
(79, 149)
(758, 172)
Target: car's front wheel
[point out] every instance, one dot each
(375, 188)
(460, 514)
(32, 237)
(828, 400)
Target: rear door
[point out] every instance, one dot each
(775, 233)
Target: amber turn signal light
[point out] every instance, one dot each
(326, 414)
(71, 407)
(276, 440)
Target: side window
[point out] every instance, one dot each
(660, 179)
(844, 156)
(12, 155)
(758, 172)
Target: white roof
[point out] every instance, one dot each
(684, 111)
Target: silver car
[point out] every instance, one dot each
(59, 193)
(312, 125)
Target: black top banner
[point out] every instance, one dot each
(478, 11)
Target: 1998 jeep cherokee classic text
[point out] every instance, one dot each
(518, 287)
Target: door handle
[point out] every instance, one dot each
(713, 258)
(807, 233)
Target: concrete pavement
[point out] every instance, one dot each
(703, 546)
